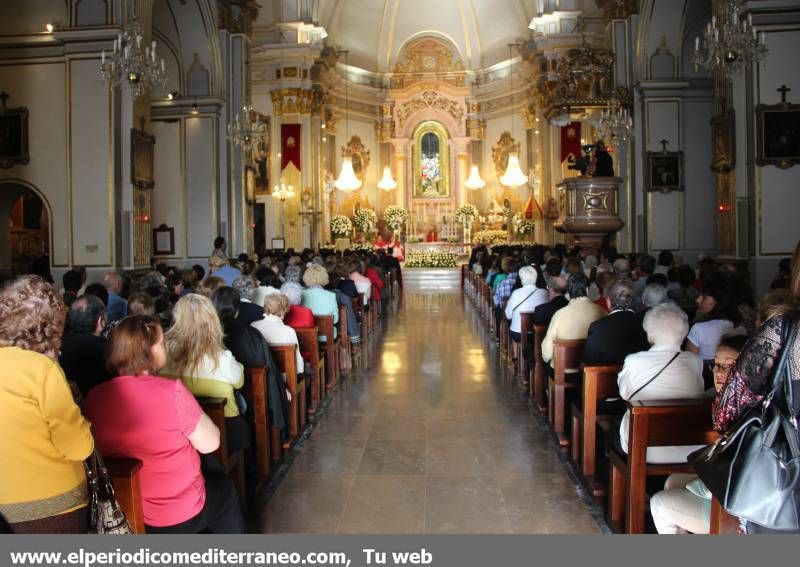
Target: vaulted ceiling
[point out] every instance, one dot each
(375, 31)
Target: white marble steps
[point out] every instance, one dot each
(431, 279)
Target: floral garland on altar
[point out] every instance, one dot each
(522, 225)
(362, 247)
(431, 259)
(365, 219)
(490, 237)
(466, 213)
(395, 216)
(341, 226)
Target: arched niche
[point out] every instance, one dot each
(431, 161)
(25, 226)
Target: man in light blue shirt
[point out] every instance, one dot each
(222, 269)
(117, 306)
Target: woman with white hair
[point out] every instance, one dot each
(664, 372)
(298, 317)
(319, 300)
(654, 294)
(248, 311)
(531, 295)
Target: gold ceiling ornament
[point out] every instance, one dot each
(384, 126)
(476, 128)
(618, 9)
(292, 101)
(359, 155)
(426, 58)
(429, 99)
(584, 78)
(505, 145)
(237, 16)
(529, 116)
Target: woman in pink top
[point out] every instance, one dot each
(158, 421)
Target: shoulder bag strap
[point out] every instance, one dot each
(643, 386)
(781, 378)
(523, 301)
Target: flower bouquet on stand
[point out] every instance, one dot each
(395, 217)
(341, 227)
(466, 215)
(523, 228)
(365, 220)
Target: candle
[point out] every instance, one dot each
(697, 43)
(103, 57)
(763, 38)
(162, 65)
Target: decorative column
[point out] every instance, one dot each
(400, 164)
(461, 146)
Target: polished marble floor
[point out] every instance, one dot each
(429, 436)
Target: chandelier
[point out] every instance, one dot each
(131, 64)
(347, 180)
(247, 133)
(474, 180)
(513, 177)
(616, 123)
(387, 182)
(283, 191)
(730, 47)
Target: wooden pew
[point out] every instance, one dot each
(567, 356)
(505, 347)
(463, 276)
(721, 521)
(255, 392)
(599, 383)
(344, 340)
(125, 479)
(286, 361)
(325, 326)
(233, 464)
(358, 305)
(313, 357)
(538, 385)
(652, 424)
(526, 336)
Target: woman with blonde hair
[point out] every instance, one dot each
(315, 297)
(197, 355)
(45, 438)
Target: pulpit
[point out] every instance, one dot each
(588, 209)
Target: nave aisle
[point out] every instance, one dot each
(428, 437)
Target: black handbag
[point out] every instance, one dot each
(754, 469)
(105, 515)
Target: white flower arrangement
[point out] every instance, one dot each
(522, 225)
(395, 216)
(466, 213)
(341, 226)
(327, 247)
(490, 237)
(362, 247)
(431, 259)
(365, 219)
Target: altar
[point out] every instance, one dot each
(459, 248)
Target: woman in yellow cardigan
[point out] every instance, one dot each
(44, 436)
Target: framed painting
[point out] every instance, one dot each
(778, 135)
(664, 171)
(142, 150)
(13, 135)
(723, 142)
(164, 240)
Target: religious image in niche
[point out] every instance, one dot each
(781, 136)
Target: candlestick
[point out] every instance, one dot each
(103, 57)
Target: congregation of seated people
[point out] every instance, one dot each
(668, 331)
(123, 367)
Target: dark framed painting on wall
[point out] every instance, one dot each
(778, 139)
(164, 241)
(664, 171)
(13, 135)
(142, 151)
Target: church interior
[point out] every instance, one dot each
(435, 171)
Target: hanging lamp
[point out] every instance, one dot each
(513, 177)
(387, 182)
(474, 180)
(347, 180)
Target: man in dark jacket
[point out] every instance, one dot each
(557, 286)
(248, 312)
(83, 349)
(619, 333)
